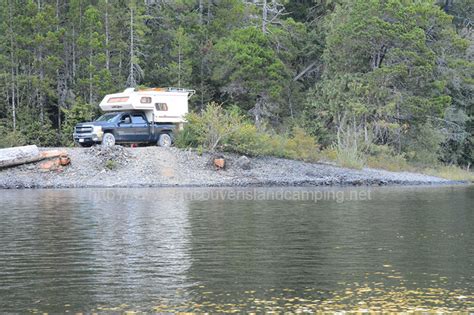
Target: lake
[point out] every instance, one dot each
(246, 249)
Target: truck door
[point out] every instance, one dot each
(140, 128)
(124, 130)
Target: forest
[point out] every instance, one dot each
(390, 78)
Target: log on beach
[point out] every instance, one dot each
(26, 154)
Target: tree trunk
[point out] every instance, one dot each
(59, 79)
(264, 16)
(90, 76)
(208, 12)
(26, 154)
(201, 10)
(19, 155)
(12, 61)
(131, 76)
(41, 98)
(73, 44)
(179, 62)
(107, 36)
(366, 133)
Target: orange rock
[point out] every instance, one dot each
(49, 165)
(219, 163)
(64, 160)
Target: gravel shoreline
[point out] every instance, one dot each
(165, 167)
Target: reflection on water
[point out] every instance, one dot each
(162, 250)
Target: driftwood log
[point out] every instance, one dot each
(26, 154)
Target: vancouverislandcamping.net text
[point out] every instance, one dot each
(255, 194)
(338, 196)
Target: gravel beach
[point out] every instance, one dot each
(164, 167)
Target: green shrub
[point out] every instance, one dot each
(30, 130)
(185, 138)
(298, 146)
(211, 128)
(12, 139)
(350, 157)
(329, 153)
(384, 157)
(229, 130)
(247, 140)
(423, 147)
(302, 146)
(79, 112)
(41, 134)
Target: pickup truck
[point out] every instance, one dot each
(123, 127)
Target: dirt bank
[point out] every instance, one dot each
(155, 167)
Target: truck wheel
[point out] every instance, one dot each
(164, 140)
(108, 140)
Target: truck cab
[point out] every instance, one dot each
(123, 127)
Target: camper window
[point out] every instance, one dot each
(117, 99)
(161, 107)
(145, 100)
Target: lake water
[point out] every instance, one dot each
(297, 249)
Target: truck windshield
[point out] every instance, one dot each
(107, 117)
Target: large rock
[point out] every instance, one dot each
(219, 163)
(243, 162)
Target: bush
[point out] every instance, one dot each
(211, 128)
(79, 112)
(424, 145)
(384, 157)
(186, 137)
(29, 131)
(229, 130)
(302, 146)
(41, 134)
(329, 154)
(349, 157)
(247, 140)
(11, 139)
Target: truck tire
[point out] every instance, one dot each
(108, 139)
(164, 140)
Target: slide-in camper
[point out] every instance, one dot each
(161, 105)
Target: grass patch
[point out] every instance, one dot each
(450, 172)
(110, 165)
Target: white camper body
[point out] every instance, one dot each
(161, 105)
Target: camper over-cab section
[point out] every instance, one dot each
(161, 105)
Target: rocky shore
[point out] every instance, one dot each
(161, 167)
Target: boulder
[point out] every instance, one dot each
(243, 162)
(219, 163)
(64, 160)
